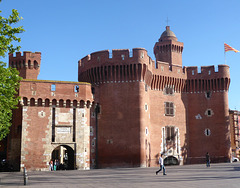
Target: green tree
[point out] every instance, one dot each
(9, 79)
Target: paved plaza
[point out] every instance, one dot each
(218, 175)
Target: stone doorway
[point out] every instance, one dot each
(65, 156)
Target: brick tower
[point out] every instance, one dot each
(118, 80)
(208, 113)
(28, 65)
(168, 48)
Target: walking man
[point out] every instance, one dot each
(207, 160)
(161, 165)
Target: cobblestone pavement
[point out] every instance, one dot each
(218, 175)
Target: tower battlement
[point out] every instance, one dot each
(26, 54)
(119, 55)
(207, 72)
(28, 63)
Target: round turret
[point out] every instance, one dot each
(168, 35)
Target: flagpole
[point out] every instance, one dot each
(224, 54)
(225, 57)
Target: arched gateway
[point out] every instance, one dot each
(64, 155)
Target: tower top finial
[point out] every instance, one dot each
(167, 20)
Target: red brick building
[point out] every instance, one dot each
(234, 118)
(128, 106)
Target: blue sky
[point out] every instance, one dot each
(66, 31)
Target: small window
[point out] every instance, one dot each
(169, 109)
(76, 89)
(123, 57)
(142, 55)
(146, 131)
(192, 72)
(209, 113)
(93, 142)
(209, 72)
(53, 87)
(207, 132)
(162, 68)
(146, 87)
(146, 107)
(208, 94)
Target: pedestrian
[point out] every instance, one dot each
(51, 165)
(207, 159)
(162, 167)
(55, 165)
(50, 168)
(58, 164)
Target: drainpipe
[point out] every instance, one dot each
(96, 116)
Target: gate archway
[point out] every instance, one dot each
(64, 154)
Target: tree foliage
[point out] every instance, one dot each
(9, 79)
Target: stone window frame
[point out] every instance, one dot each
(209, 112)
(146, 131)
(207, 132)
(146, 107)
(169, 109)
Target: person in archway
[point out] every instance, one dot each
(55, 165)
(51, 165)
(207, 159)
(162, 167)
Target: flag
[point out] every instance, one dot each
(229, 48)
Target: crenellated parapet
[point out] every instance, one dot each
(26, 60)
(189, 79)
(116, 56)
(208, 79)
(207, 72)
(118, 66)
(28, 63)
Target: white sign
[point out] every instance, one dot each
(63, 130)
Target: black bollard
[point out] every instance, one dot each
(25, 178)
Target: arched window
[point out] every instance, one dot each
(47, 102)
(29, 64)
(39, 102)
(54, 102)
(82, 103)
(88, 104)
(32, 102)
(68, 103)
(36, 66)
(25, 101)
(75, 103)
(61, 103)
